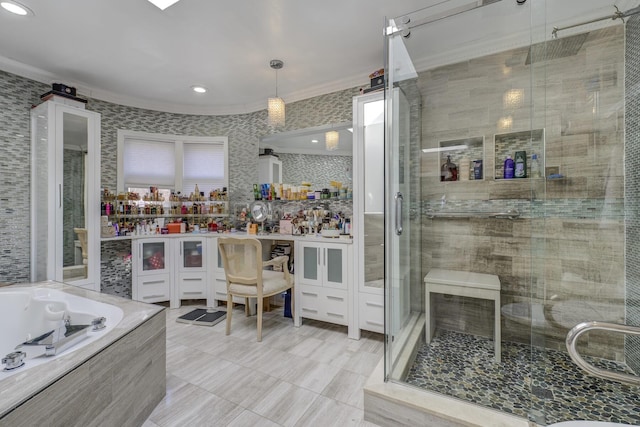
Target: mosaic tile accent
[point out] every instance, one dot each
(317, 169)
(18, 95)
(531, 382)
(115, 268)
(632, 187)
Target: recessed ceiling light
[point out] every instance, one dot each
(163, 4)
(17, 8)
(199, 89)
(315, 141)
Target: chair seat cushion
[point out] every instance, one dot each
(273, 282)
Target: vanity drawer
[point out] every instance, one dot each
(153, 288)
(192, 285)
(371, 312)
(335, 306)
(326, 304)
(310, 301)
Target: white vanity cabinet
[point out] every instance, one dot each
(323, 288)
(191, 269)
(65, 188)
(152, 271)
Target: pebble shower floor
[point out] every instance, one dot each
(542, 385)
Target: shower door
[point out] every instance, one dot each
(553, 85)
(400, 192)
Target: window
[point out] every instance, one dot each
(173, 162)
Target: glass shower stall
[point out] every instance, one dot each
(512, 165)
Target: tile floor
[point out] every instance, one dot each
(307, 376)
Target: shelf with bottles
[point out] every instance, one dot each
(519, 155)
(302, 192)
(461, 159)
(132, 207)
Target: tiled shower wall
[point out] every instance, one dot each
(632, 187)
(243, 130)
(567, 249)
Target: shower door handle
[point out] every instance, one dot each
(398, 198)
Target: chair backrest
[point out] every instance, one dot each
(241, 259)
(82, 237)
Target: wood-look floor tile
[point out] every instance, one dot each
(192, 405)
(346, 387)
(329, 413)
(249, 419)
(284, 403)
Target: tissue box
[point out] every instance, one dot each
(285, 226)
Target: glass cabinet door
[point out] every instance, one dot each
(310, 256)
(153, 256)
(192, 254)
(335, 266)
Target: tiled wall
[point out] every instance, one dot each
(632, 187)
(244, 132)
(569, 242)
(317, 169)
(17, 97)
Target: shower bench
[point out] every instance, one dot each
(463, 284)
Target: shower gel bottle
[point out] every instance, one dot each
(508, 168)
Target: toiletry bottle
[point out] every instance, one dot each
(520, 164)
(464, 169)
(535, 167)
(508, 168)
(449, 171)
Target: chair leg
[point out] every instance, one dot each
(259, 315)
(247, 310)
(229, 311)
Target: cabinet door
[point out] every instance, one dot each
(310, 268)
(153, 256)
(334, 265)
(192, 255)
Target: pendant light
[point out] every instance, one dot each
(275, 106)
(331, 140)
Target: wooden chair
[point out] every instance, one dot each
(246, 277)
(82, 237)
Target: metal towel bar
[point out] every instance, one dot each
(508, 214)
(581, 328)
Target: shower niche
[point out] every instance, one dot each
(467, 154)
(531, 142)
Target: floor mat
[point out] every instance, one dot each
(202, 316)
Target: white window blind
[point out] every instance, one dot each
(149, 163)
(203, 164)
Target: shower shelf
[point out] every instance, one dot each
(508, 214)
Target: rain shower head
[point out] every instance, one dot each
(555, 49)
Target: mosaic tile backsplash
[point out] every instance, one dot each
(632, 188)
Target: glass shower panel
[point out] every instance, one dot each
(555, 90)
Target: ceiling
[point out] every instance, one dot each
(132, 53)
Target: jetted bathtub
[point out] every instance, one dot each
(33, 317)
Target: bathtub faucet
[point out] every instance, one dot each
(58, 340)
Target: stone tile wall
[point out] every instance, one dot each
(569, 242)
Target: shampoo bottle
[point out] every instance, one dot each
(520, 164)
(508, 168)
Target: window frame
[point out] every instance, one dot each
(178, 141)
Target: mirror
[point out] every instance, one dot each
(301, 141)
(74, 225)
